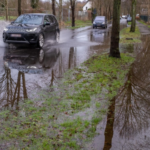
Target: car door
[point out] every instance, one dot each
(53, 27)
(47, 27)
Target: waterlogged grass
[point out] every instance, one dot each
(125, 34)
(66, 118)
(78, 24)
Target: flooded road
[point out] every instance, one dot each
(26, 71)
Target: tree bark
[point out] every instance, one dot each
(19, 7)
(133, 24)
(53, 7)
(114, 47)
(72, 3)
(73, 16)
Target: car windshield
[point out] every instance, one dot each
(29, 19)
(99, 19)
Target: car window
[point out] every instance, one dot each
(51, 19)
(29, 19)
(99, 19)
(46, 20)
(55, 20)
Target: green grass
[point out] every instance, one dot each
(129, 23)
(9, 17)
(55, 120)
(125, 33)
(78, 24)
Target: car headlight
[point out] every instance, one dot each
(93, 22)
(5, 29)
(103, 23)
(31, 30)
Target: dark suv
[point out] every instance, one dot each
(33, 28)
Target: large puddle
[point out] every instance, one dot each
(127, 124)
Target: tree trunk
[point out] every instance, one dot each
(72, 4)
(6, 9)
(73, 15)
(114, 47)
(53, 7)
(60, 12)
(19, 7)
(109, 12)
(133, 24)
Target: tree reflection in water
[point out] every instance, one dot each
(10, 92)
(132, 104)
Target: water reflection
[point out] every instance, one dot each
(109, 126)
(72, 58)
(10, 91)
(13, 88)
(100, 36)
(132, 110)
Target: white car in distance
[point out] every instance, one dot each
(124, 16)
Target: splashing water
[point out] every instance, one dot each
(3, 24)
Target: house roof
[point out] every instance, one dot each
(87, 2)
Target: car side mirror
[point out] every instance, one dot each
(12, 22)
(47, 24)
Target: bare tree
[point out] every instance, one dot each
(19, 7)
(34, 3)
(53, 7)
(72, 4)
(103, 7)
(114, 48)
(4, 3)
(6, 9)
(133, 24)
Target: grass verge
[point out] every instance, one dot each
(78, 24)
(67, 117)
(127, 37)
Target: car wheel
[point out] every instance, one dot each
(57, 37)
(41, 40)
(4, 38)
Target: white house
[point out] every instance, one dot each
(87, 6)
